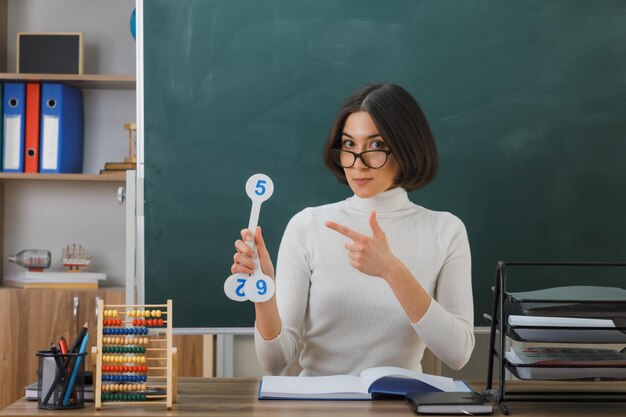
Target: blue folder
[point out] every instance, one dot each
(13, 121)
(61, 129)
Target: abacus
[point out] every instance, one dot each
(132, 340)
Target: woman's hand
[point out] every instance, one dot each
(372, 256)
(268, 320)
(369, 254)
(243, 261)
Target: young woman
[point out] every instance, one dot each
(375, 279)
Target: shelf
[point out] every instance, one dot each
(113, 177)
(87, 81)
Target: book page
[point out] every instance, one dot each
(370, 375)
(312, 384)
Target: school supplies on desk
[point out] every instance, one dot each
(372, 382)
(75, 370)
(32, 394)
(64, 350)
(47, 385)
(467, 403)
(79, 339)
(14, 101)
(126, 333)
(62, 135)
(58, 373)
(61, 376)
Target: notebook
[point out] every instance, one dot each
(30, 392)
(467, 403)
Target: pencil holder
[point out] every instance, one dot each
(56, 388)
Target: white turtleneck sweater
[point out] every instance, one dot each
(337, 320)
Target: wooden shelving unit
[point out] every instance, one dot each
(112, 87)
(84, 81)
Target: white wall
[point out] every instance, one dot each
(52, 214)
(109, 46)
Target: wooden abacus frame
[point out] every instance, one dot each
(167, 354)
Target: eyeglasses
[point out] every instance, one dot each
(371, 159)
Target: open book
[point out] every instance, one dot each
(381, 380)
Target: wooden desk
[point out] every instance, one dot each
(238, 397)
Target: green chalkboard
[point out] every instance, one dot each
(527, 100)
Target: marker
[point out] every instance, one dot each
(63, 346)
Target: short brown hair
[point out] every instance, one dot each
(402, 124)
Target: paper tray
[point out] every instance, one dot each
(584, 310)
(566, 373)
(573, 301)
(566, 334)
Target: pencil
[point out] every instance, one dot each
(79, 338)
